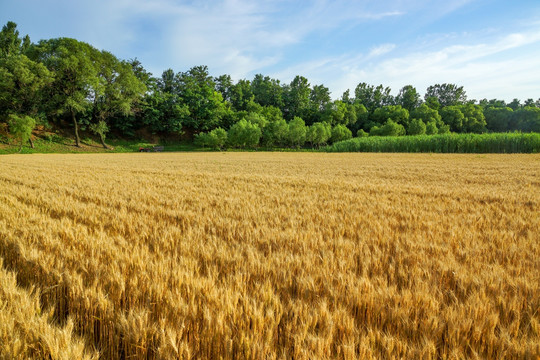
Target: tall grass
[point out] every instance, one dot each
(447, 143)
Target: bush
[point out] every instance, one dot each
(340, 133)
(297, 132)
(431, 128)
(361, 133)
(214, 139)
(21, 127)
(390, 128)
(275, 132)
(244, 134)
(319, 133)
(416, 127)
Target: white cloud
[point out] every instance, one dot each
(504, 65)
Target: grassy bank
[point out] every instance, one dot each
(448, 143)
(64, 145)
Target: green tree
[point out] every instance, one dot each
(408, 98)
(23, 83)
(267, 91)
(527, 119)
(416, 127)
(275, 132)
(373, 97)
(474, 119)
(241, 95)
(100, 128)
(447, 94)
(394, 112)
(319, 133)
(452, 116)
(431, 128)
(361, 133)
(10, 42)
(116, 91)
(215, 139)
(319, 100)
(427, 114)
(390, 128)
(340, 133)
(196, 89)
(21, 127)
(75, 75)
(515, 104)
(244, 134)
(297, 132)
(296, 97)
(256, 118)
(498, 118)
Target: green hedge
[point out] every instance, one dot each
(446, 143)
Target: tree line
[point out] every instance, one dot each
(68, 83)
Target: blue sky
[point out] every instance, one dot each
(492, 48)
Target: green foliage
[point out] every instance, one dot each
(297, 132)
(100, 128)
(431, 128)
(244, 134)
(452, 116)
(319, 133)
(390, 128)
(474, 120)
(416, 127)
(22, 85)
(372, 97)
(61, 79)
(408, 98)
(527, 119)
(446, 94)
(394, 112)
(258, 119)
(361, 133)
(448, 143)
(498, 118)
(340, 133)
(296, 97)
(275, 132)
(21, 126)
(215, 139)
(196, 90)
(426, 114)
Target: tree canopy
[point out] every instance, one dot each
(67, 83)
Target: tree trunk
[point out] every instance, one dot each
(20, 148)
(77, 140)
(31, 142)
(103, 142)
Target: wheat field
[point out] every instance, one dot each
(269, 256)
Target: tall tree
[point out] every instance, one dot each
(75, 75)
(267, 91)
(373, 97)
(116, 91)
(408, 98)
(196, 88)
(446, 94)
(498, 118)
(22, 85)
(10, 42)
(297, 97)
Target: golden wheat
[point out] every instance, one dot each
(273, 255)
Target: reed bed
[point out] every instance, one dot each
(273, 255)
(498, 143)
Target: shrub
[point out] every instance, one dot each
(244, 134)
